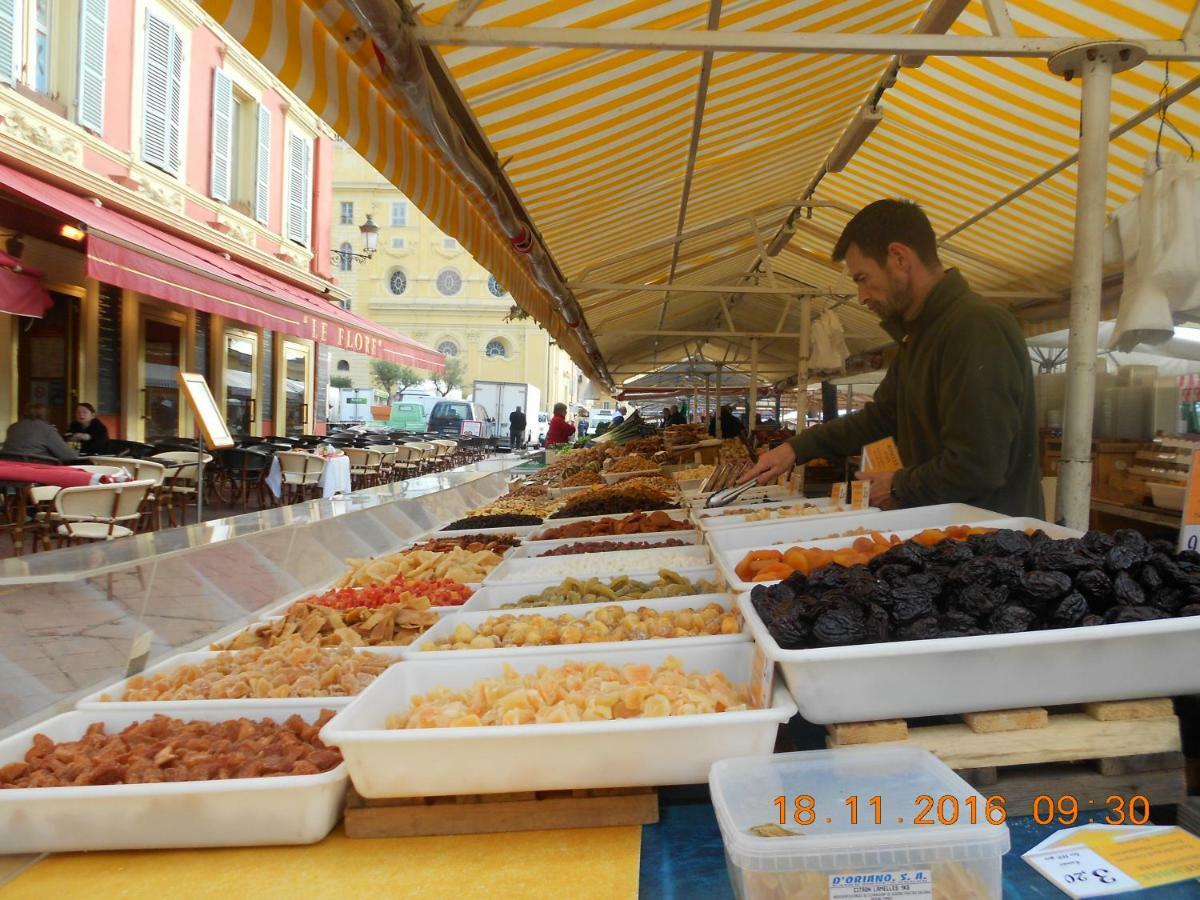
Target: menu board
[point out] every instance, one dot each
(212, 422)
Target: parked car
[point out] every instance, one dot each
(448, 415)
(407, 416)
(541, 428)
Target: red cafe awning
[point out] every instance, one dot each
(21, 291)
(130, 254)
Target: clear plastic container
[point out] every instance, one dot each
(842, 852)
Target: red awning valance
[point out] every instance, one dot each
(21, 291)
(130, 254)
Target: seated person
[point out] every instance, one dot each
(89, 430)
(32, 434)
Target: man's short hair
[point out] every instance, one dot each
(36, 411)
(884, 222)
(560, 409)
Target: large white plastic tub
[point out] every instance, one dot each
(293, 809)
(597, 565)
(251, 706)
(444, 629)
(841, 847)
(728, 559)
(735, 513)
(534, 549)
(486, 760)
(494, 596)
(903, 679)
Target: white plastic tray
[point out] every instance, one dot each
(293, 809)
(493, 596)
(764, 494)
(517, 531)
(727, 560)
(710, 518)
(725, 523)
(995, 671)
(554, 523)
(446, 627)
(534, 549)
(251, 706)
(751, 535)
(597, 565)
(624, 753)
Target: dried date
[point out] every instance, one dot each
(1011, 619)
(1126, 591)
(1070, 610)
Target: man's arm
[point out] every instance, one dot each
(57, 446)
(846, 435)
(979, 412)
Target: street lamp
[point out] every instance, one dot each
(370, 233)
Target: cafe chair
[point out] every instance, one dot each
(97, 512)
(244, 472)
(299, 476)
(180, 481)
(140, 470)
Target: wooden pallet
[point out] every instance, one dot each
(486, 813)
(1189, 815)
(1023, 753)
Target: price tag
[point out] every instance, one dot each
(1081, 872)
(912, 884)
(837, 494)
(860, 494)
(1189, 533)
(762, 679)
(881, 456)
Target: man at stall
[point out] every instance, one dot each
(958, 399)
(560, 430)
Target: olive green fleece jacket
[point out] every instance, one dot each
(958, 400)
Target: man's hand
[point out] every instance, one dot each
(881, 488)
(771, 464)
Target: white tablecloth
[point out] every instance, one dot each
(334, 480)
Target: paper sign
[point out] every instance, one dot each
(1096, 860)
(837, 494)
(860, 495)
(1189, 533)
(1081, 872)
(912, 884)
(881, 456)
(762, 679)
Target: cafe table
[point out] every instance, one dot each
(24, 475)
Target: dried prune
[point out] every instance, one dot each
(809, 607)
(973, 571)
(876, 625)
(1091, 619)
(1126, 591)
(1120, 558)
(1098, 542)
(892, 573)
(787, 590)
(1192, 609)
(1011, 543)
(827, 578)
(790, 632)
(840, 625)
(1011, 619)
(1009, 570)
(859, 583)
(1168, 599)
(907, 553)
(1167, 568)
(979, 600)
(1070, 610)
(1119, 614)
(1128, 537)
(922, 629)
(956, 621)
(926, 582)
(950, 552)
(1061, 556)
(1045, 586)
(1148, 577)
(1095, 585)
(908, 604)
(1189, 558)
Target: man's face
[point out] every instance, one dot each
(885, 290)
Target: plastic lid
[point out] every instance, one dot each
(745, 792)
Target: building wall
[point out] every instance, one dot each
(41, 133)
(418, 253)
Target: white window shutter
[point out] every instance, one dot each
(10, 40)
(308, 191)
(175, 119)
(156, 101)
(262, 167)
(222, 135)
(93, 38)
(299, 188)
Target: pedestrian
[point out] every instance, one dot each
(959, 397)
(516, 429)
(560, 431)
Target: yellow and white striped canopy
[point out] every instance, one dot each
(596, 144)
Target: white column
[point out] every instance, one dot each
(802, 363)
(752, 406)
(718, 427)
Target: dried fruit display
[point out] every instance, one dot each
(663, 484)
(497, 543)
(609, 623)
(391, 625)
(634, 523)
(498, 520)
(733, 452)
(529, 492)
(598, 564)
(632, 462)
(695, 473)
(517, 505)
(576, 692)
(769, 565)
(681, 435)
(410, 593)
(614, 499)
(457, 565)
(996, 582)
(646, 446)
(291, 669)
(573, 591)
(162, 750)
(793, 511)
(582, 479)
(611, 546)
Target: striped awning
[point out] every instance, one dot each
(641, 166)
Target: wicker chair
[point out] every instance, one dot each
(95, 512)
(299, 476)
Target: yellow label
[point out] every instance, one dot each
(1165, 856)
(882, 456)
(837, 494)
(1191, 507)
(860, 494)
(762, 679)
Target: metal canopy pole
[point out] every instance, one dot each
(1095, 63)
(752, 412)
(717, 428)
(802, 366)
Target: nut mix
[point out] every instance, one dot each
(631, 463)
(582, 479)
(634, 523)
(614, 499)
(391, 625)
(573, 591)
(695, 473)
(611, 546)
(610, 623)
(163, 749)
(291, 669)
(576, 692)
